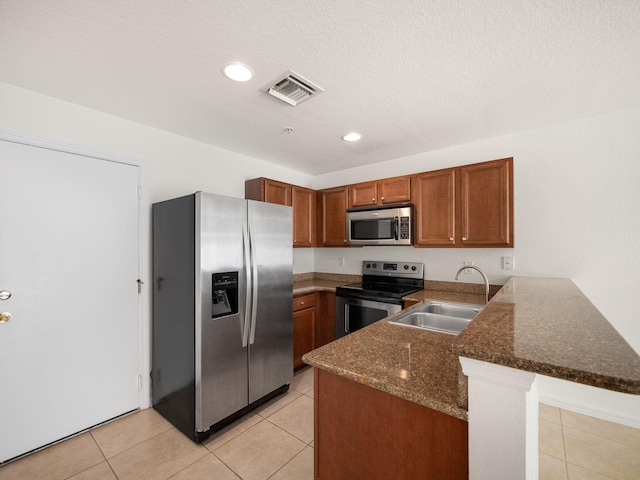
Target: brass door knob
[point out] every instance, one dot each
(5, 317)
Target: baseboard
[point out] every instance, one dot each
(595, 402)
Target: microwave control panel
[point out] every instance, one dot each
(405, 229)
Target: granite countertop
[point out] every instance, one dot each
(313, 282)
(541, 325)
(548, 326)
(417, 365)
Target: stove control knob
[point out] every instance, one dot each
(375, 265)
(414, 268)
(406, 267)
(368, 265)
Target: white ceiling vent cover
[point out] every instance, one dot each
(292, 88)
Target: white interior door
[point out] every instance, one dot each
(69, 257)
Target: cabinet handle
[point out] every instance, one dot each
(464, 239)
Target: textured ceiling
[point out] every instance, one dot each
(410, 75)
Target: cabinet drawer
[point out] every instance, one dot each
(304, 301)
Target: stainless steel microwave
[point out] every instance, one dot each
(384, 225)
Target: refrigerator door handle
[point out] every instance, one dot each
(254, 290)
(248, 275)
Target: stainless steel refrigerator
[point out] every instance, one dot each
(222, 309)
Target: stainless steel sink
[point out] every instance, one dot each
(446, 317)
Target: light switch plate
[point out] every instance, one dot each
(507, 263)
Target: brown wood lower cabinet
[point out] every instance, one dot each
(304, 319)
(364, 433)
(313, 320)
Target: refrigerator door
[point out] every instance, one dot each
(271, 334)
(220, 357)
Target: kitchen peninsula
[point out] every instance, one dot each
(531, 326)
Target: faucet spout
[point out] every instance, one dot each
(484, 277)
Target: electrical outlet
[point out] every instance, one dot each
(341, 261)
(507, 263)
(468, 271)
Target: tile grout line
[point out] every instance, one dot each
(207, 452)
(564, 447)
(226, 465)
(287, 463)
(307, 444)
(104, 458)
(582, 432)
(262, 419)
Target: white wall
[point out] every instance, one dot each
(577, 201)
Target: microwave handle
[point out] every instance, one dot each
(395, 229)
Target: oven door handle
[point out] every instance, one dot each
(395, 228)
(346, 318)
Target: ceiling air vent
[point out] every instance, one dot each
(292, 88)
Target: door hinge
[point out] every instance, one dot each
(140, 283)
(139, 382)
(139, 192)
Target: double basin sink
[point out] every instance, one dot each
(445, 317)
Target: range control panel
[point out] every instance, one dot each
(393, 269)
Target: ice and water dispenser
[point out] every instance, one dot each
(224, 297)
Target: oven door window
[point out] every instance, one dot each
(378, 229)
(357, 317)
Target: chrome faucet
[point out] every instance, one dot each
(486, 280)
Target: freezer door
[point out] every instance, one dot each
(271, 334)
(221, 358)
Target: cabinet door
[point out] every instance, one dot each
(277, 192)
(486, 204)
(303, 325)
(434, 203)
(363, 194)
(304, 206)
(394, 190)
(325, 318)
(333, 217)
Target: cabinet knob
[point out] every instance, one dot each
(345, 240)
(373, 200)
(382, 198)
(451, 239)
(464, 239)
(301, 303)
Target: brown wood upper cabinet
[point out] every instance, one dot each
(468, 206)
(380, 192)
(303, 201)
(332, 217)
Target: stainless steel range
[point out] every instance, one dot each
(379, 295)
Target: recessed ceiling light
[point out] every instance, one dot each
(238, 72)
(352, 137)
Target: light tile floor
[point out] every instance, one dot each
(275, 442)
(578, 447)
